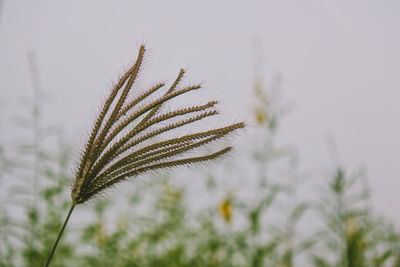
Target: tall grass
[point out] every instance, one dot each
(115, 152)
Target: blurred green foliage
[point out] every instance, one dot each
(157, 226)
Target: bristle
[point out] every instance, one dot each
(165, 146)
(138, 99)
(161, 154)
(140, 112)
(121, 100)
(170, 90)
(166, 128)
(116, 147)
(163, 165)
(101, 117)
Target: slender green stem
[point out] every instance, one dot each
(59, 235)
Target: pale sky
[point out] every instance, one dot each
(340, 63)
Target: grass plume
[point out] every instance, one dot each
(120, 146)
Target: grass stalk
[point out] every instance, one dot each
(59, 235)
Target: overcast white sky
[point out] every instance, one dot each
(340, 63)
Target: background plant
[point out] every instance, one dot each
(156, 224)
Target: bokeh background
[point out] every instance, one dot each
(337, 64)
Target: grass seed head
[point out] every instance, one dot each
(125, 140)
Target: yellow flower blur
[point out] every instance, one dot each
(226, 210)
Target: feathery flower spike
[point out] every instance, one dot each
(122, 144)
